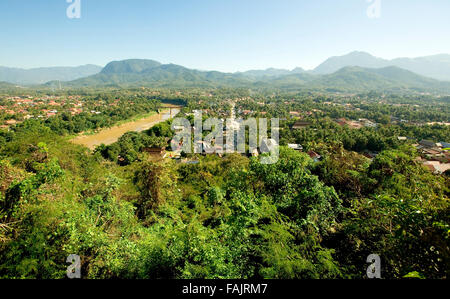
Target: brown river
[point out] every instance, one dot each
(110, 135)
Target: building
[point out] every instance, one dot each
(11, 122)
(315, 156)
(355, 125)
(368, 123)
(444, 144)
(296, 147)
(427, 144)
(341, 121)
(437, 167)
(155, 151)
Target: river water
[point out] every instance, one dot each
(110, 135)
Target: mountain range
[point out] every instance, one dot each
(271, 72)
(436, 66)
(357, 71)
(150, 73)
(43, 75)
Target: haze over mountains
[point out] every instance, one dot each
(150, 73)
(352, 72)
(271, 72)
(436, 66)
(43, 75)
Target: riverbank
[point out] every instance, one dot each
(110, 135)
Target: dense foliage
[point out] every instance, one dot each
(223, 217)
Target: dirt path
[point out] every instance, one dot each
(111, 135)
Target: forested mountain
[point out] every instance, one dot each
(388, 78)
(5, 84)
(436, 66)
(151, 73)
(43, 75)
(361, 59)
(129, 66)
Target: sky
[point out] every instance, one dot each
(223, 35)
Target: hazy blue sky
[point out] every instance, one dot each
(225, 35)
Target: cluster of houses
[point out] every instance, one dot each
(312, 154)
(435, 156)
(360, 123)
(267, 146)
(25, 107)
(232, 127)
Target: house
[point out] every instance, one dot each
(355, 125)
(300, 125)
(155, 151)
(444, 144)
(400, 138)
(431, 152)
(368, 123)
(296, 147)
(11, 122)
(443, 168)
(315, 156)
(436, 166)
(427, 143)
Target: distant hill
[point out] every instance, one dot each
(437, 66)
(150, 73)
(358, 79)
(271, 72)
(9, 86)
(42, 75)
(6, 85)
(136, 72)
(129, 66)
(388, 78)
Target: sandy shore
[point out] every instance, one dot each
(111, 135)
